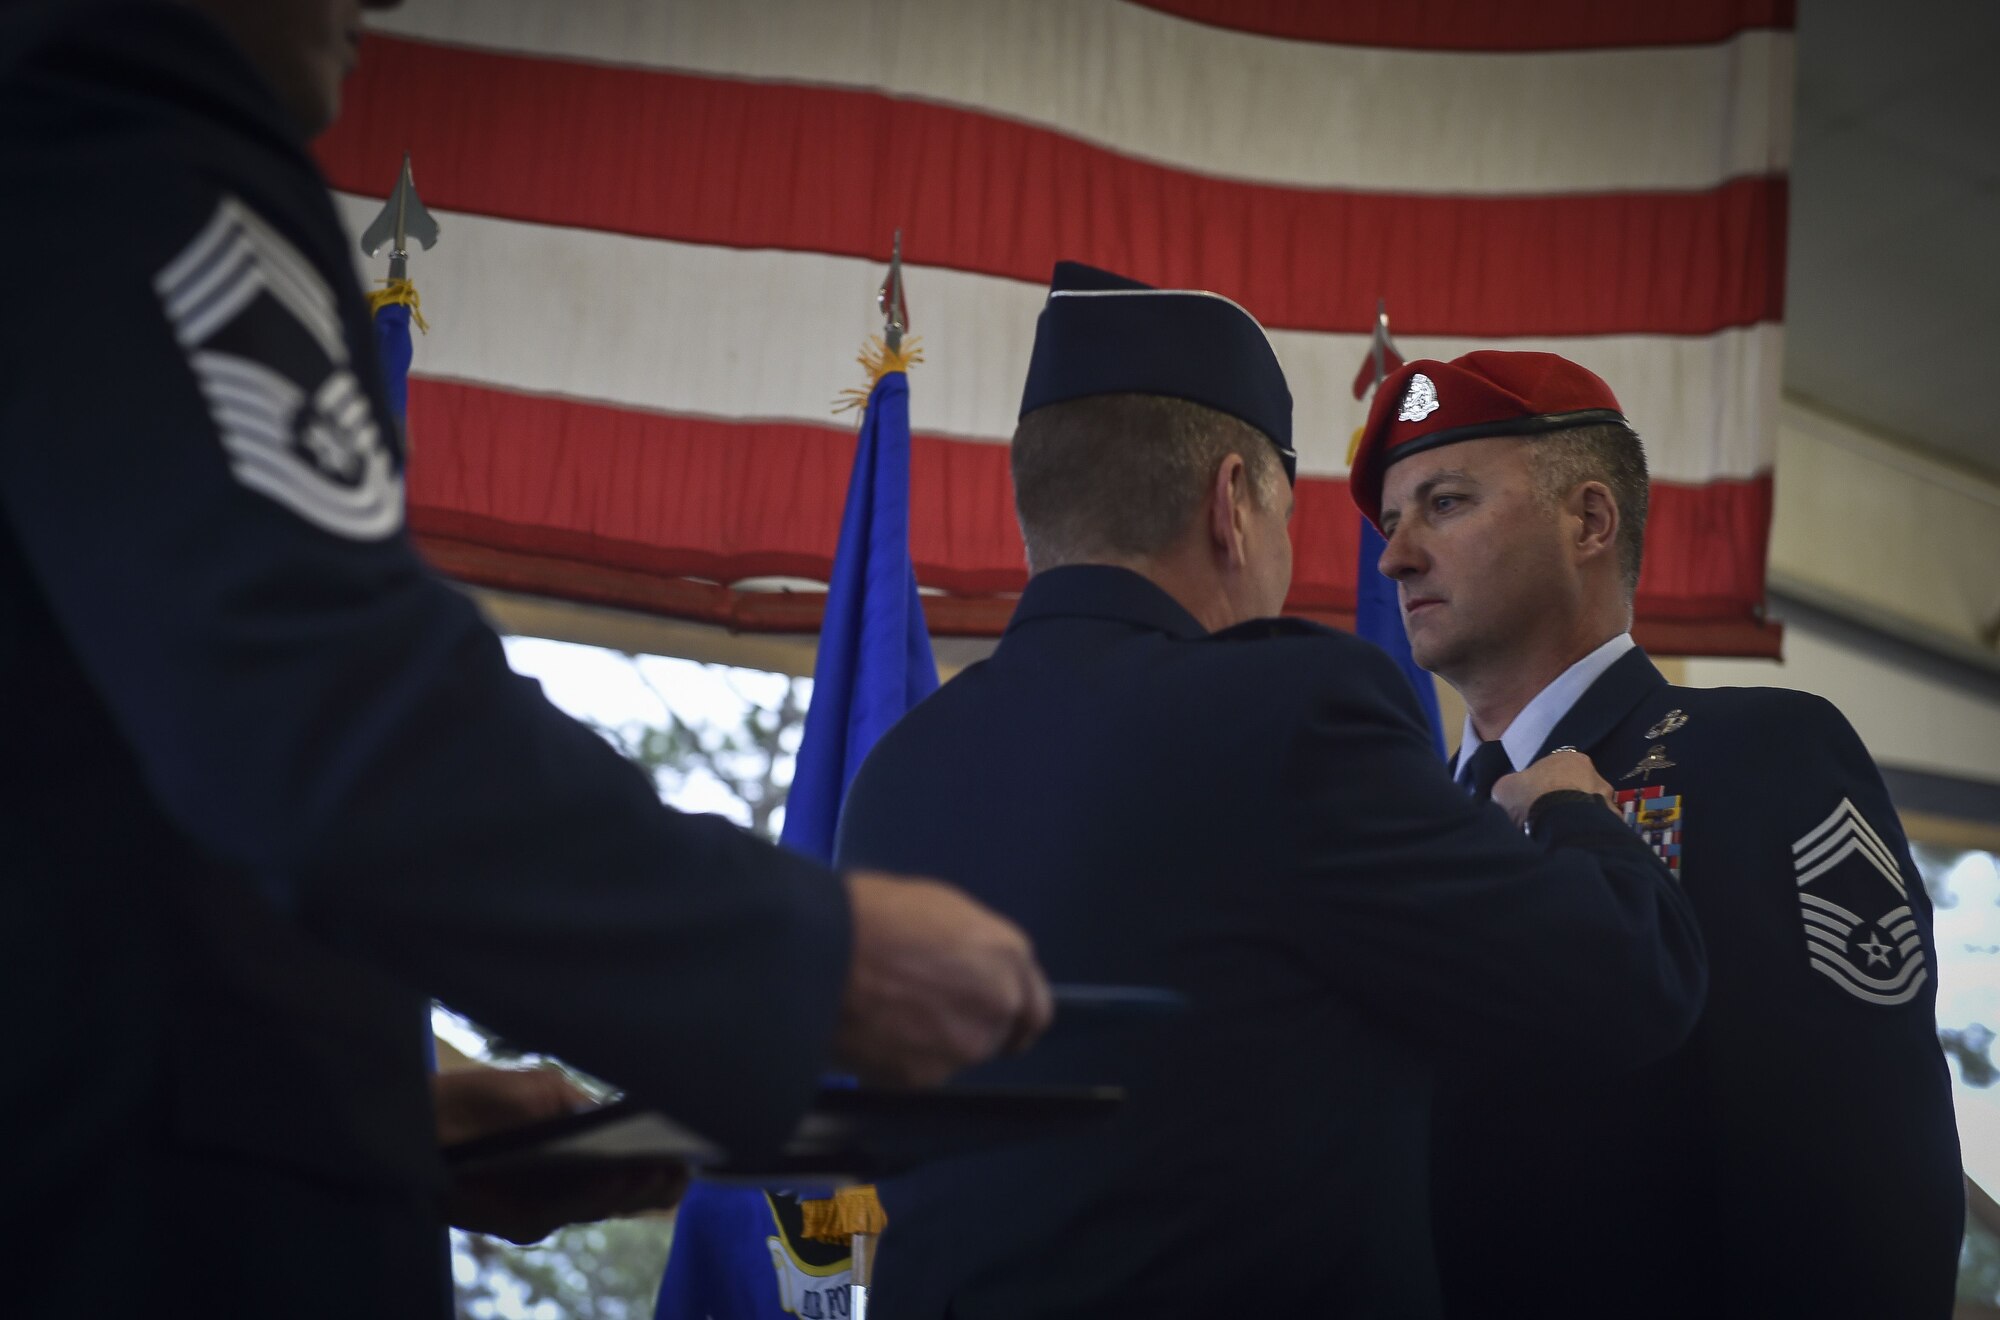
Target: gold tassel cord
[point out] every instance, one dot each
(398, 293)
(848, 1211)
(878, 360)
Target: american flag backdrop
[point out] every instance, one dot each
(665, 224)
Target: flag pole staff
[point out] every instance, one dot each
(1379, 348)
(871, 1220)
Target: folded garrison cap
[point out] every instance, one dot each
(1102, 333)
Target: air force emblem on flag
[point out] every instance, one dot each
(1655, 814)
(1860, 932)
(262, 334)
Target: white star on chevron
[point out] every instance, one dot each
(1831, 930)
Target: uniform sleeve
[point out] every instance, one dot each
(1575, 946)
(330, 722)
(1835, 1150)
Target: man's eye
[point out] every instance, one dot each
(1443, 503)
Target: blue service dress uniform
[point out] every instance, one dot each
(1255, 818)
(266, 783)
(1797, 1156)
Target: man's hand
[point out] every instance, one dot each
(477, 1101)
(1564, 769)
(936, 983)
(526, 1205)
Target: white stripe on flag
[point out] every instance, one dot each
(685, 328)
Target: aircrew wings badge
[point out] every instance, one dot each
(1654, 813)
(1860, 932)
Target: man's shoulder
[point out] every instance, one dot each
(1772, 759)
(1292, 662)
(1755, 718)
(1285, 638)
(92, 131)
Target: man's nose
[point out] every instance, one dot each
(1401, 555)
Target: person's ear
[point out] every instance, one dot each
(1596, 514)
(1228, 508)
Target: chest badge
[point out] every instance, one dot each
(1671, 722)
(1654, 814)
(1654, 759)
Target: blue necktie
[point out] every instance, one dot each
(1489, 761)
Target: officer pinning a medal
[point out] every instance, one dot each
(1168, 786)
(1797, 1156)
(267, 784)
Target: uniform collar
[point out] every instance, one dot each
(1629, 680)
(1100, 591)
(1529, 736)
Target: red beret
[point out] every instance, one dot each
(1424, 404)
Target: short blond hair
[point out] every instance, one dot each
(1118, 476)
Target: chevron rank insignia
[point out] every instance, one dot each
(262, 334)
(1860, 932)
(1654, 813)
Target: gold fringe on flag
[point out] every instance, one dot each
(850, 1210)
(398, 293)
(1354, 444)
(878, 360)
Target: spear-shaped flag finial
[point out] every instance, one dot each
(895, 311)
(896, 349)
(402, 220)
(1382, 355)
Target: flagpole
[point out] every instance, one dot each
(870, 1216)
(1379, 341)
(402, 222)
(1377, 619)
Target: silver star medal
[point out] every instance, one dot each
(1420, 400)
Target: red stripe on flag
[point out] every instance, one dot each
(613, 495)
(756, 165)
(1481, 25)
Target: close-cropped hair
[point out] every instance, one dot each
(1611, 453)
(1121, 476)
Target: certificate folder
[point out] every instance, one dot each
(850, 1134)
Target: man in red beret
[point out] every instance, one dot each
(1797, 1156)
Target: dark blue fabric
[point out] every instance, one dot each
(1715, 1158)
(392, 343)
(267, 788)
(874, 663)
(1379, 618)
(1259, 819)
(874, 660)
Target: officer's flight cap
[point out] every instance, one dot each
(1424, 404)
(1102, 333)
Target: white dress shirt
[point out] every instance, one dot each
(1531, 728)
